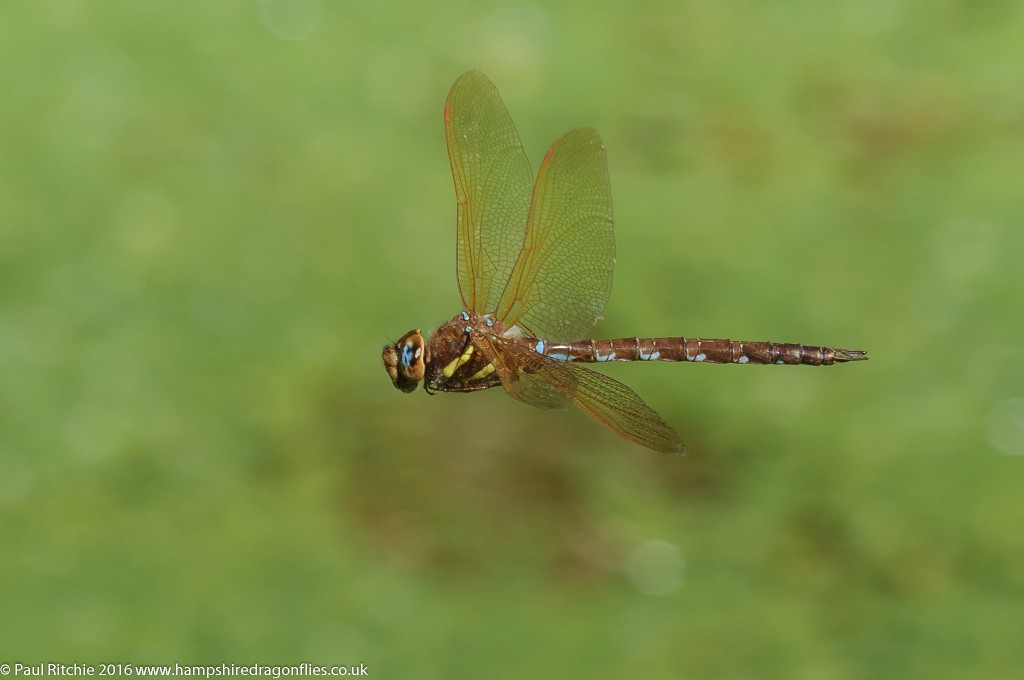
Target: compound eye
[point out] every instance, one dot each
(411, 353)
(405, 361)
(413, 365)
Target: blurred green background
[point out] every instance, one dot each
(214, 215)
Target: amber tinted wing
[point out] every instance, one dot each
(563, 274)
(549, 383)
(492, 187)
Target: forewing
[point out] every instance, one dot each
(563, 274)
(550, 383)
(492, 187)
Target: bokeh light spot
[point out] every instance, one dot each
(656, 568)
(1006, 426)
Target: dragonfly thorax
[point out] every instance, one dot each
(405, 361)
(450, 361)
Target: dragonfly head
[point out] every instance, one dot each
(405, 361)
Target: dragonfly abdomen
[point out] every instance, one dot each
(698, 350)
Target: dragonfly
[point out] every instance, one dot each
(534, 260)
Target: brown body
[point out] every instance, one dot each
(453, 363)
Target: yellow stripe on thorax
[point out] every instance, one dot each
(482, 373)
(450, 369)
